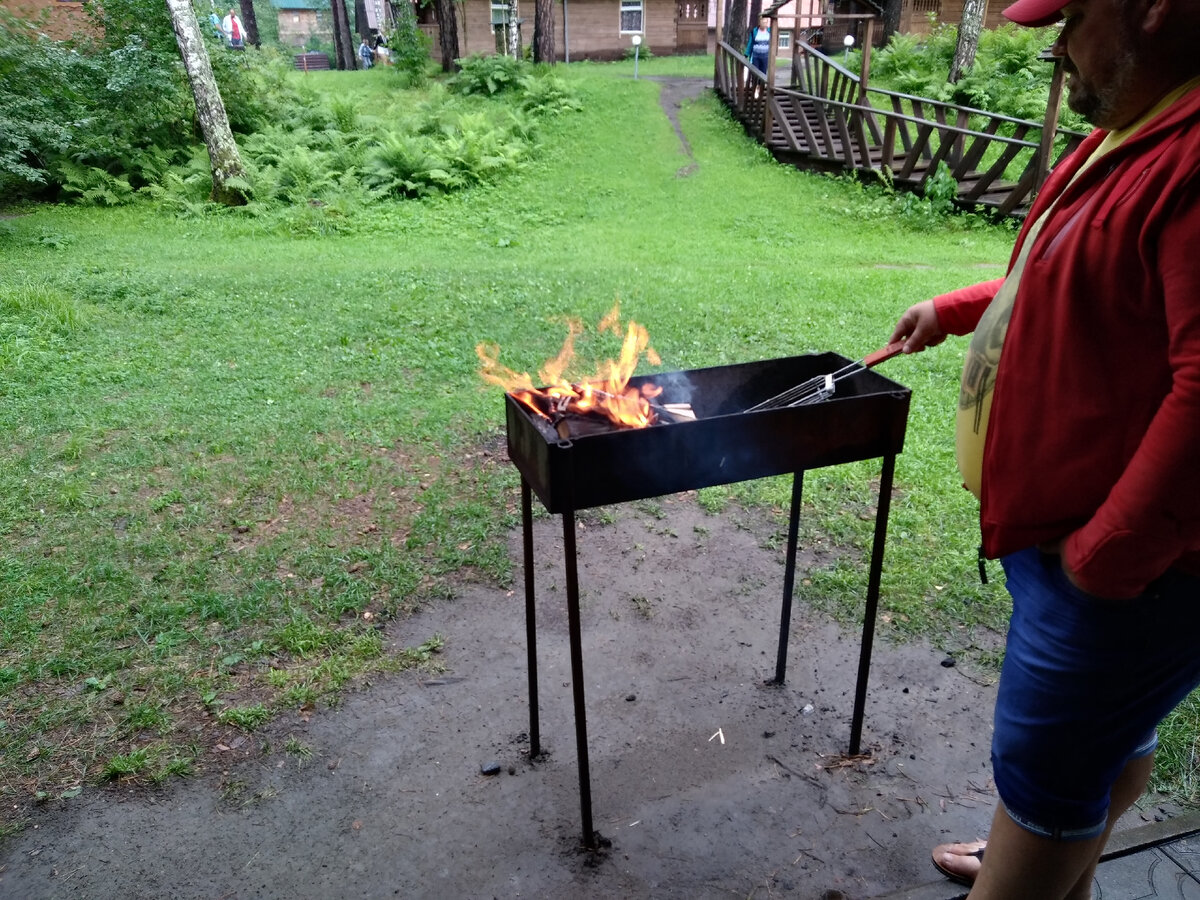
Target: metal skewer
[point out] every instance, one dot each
(821, 387)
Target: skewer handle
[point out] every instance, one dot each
(882, 354)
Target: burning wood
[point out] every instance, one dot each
(679, 410)
(605, 396)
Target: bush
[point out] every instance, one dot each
(1007, 77)
(408, 47)
(547, 94)
(121, 110)
(489, 75)
(256, 88)
(536, 90)
(641, 53)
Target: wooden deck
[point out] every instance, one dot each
(819, 117)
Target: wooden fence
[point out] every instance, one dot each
(825, 119)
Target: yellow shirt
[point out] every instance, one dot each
(983, 353)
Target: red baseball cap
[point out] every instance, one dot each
(1035, 13)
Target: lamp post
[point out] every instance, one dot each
(637, 49)
(847, 42)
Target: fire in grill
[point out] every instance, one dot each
(579, 461)
(699, 428)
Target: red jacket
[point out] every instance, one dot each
(1095, 423)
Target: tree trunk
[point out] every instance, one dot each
(344, 47)
(448, 34)
(361, 26)
(891, 18)
(339, 59)
(250, 23)
(543, 31)
(968, 38)
(514, 32)
(735, 28)
(223, 155)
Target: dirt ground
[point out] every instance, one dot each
(707, 781)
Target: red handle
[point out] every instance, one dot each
(882, 354)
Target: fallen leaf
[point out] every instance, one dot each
(356, 824)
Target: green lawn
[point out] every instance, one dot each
(232, 446)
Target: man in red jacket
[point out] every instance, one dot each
(1079, 430)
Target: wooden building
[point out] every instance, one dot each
(922, 16)
(300, 20)
(583, 29)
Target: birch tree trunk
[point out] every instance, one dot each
(543, 31)
(448, 34)
(514, 32)
(223, 155)
(968, 38)
(250, 23)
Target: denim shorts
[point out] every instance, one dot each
(1084, 685)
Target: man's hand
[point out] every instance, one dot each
(1056, 548)
(918, 328)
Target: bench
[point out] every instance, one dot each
(312, 62)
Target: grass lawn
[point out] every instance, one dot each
(233, 446)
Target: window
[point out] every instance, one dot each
(785, 40)
(631, 16)
(500, 13)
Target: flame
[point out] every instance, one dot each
(607, 393)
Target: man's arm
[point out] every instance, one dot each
(927, 323)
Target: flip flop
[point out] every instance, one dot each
(954, 876)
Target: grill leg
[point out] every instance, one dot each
(868, 634)
(789, 576)
(535, 739)
(581, 745)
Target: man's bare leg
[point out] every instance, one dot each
(1129, 787)
(1019, 863)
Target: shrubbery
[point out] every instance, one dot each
(1007, 77)
(408, 47)
(99, 121)
(106, 122)
(535, 89)
(120, 110)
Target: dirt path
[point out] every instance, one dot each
(707, 782)
(676, 92)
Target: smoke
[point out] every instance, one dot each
(677, 387)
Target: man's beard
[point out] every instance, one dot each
(1100, 104)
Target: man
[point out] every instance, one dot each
(232, 27)
(1079, 429)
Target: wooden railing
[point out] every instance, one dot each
(825, 119)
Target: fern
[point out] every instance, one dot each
(548, 95)
(93, 185)
(489, 75)
(1007, 76)
(405, 165)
